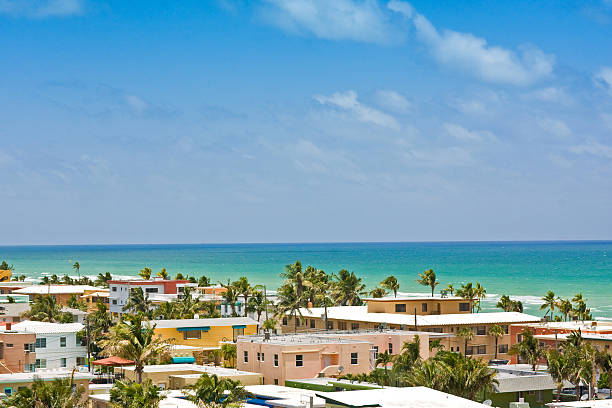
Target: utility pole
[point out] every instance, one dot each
(89, 365)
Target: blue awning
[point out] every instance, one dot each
(203, 328)
(241, 326)
(183, 360)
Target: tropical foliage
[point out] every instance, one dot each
(46, 309)
(428, 278)
(127, 394)
(59, 393)
(210, 389)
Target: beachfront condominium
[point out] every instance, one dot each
(60, 293)
(308, 355)
(120, 290)
(434, 314)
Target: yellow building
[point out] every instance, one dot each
(421, 306)
(91, 299)
(204, 332)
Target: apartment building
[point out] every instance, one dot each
(120, 290)
(17, 350)
(11, 383)
(61, 293)
(204, 332)
(56, 344)
(431, 314)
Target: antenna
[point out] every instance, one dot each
(340, 369)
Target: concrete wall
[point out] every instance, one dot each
(434, 306)
(211, 338)
(15, 359)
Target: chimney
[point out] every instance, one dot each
(8, 326)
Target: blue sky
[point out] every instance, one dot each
(304, 120)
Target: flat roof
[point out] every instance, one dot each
(435, 297)
(586, 336)
(220, 371)
(285, 396)
(587, 325)
(55, 289)
(186, 323)
(360, 314)
(42, 375)
(328, 337)
(582, 404)
(408, 397)
(145, 281)
(48, 328)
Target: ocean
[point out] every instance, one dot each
(524, 270)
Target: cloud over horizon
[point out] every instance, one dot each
(42, 8)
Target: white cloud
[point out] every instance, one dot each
(555, 127)
(334, 20)
(461, 133)
(348, 102)
(42, 8)
(595, 149)
(603, 78)
(393, 101)
(552, 95)
(136, 103)
(473, 55)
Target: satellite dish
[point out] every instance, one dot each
(340, 369)
(488, 403)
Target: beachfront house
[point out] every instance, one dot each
(17, 350)
(11, 383)
(61, 293)
(119, 290)
(433, 314)
(57, 345)
(308, 355)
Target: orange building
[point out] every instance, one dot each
(17, 352)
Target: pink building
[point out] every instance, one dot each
(290, 356)
(17, 350)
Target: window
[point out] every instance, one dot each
(400, 308)
(246, 356)
(258, 356)
(114, 301)
(299, 360)
(330, 325)
(9, 345)
(114, 288)
(63, 362)
(29, 348)
(276, 360)
(81, 361)
(276, 381)
(41, 342)
(354, 326)
(464, 307)
(481, 330)
(469, 350)
(342, 326)
(312, 323)
(375, 348)
(505, 327)
(503, 348)
(262, 356)
(41, 363)
(284, 321)
(8, 391)
(423, 307)
(192, 334)
(238, 331)
(355, 358)
(62, 342)
(390, 348)
(482, 349)
(151, 290)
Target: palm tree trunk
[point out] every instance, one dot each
(295, 322)
(465, 348)
(326, 324)
(139, 370)
(558, 394)
(496, 340)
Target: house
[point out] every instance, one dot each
(93, 298)
(11, 312)
(17, 350)
(204, 332)
(120, 290)
(11, 383)
(308, 355)
(390, 397)
(57, 345)
(516, 381)
(60, 293)
(176, 376)
(395, 313)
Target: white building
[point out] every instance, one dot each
(57, 345)
(120, 290)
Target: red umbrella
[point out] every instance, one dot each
(113, 361)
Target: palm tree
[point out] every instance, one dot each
(166, 310)
(390, 283)
(321, 292)
(145, 273)
(138, 302)
(565, 307)
(603, 360)
(378, 292)
(127, 394)
(559, 367)
(244, 288)
(59, 393)
(289, 303)
(467, 292)
(293, 275)
(134, 339)
(480, 293)
(77, 268)
(409, 356)
(163, 274)
(497, 332)
(203, 281)
(467, 334)
(46, 309)
(269, 324)
(550, 301)
(428, 278)
(580, 309)
(509, 305)
(450, 289)
(209, 389)
(102, 279)
(228, 353)
(230, 297)
(347, 289)
(529, 348)
(384, 358)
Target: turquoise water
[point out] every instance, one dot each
(524, 269)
